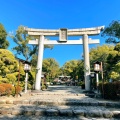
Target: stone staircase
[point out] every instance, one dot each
(58, 106)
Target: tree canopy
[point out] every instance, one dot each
(109, 56)
(21, 39)
(117, 47)
(112, 32)
(100, 53)
(3, 35)
(8, 66)
(51, 67)
(69, 68)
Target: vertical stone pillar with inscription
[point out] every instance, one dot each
(63, 35)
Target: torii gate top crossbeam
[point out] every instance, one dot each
(69, 42)
(70, 32)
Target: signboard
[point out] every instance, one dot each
(63, 35)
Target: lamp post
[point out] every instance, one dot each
(18, 78)
(97, 68)
(26, 68)
(92, 75)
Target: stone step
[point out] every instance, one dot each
(53, 93)
(74, 111)
(34, 117)
(60, 102)
(65, 94)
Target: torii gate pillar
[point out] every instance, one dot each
(39, 63)
(86, 62)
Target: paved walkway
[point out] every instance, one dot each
(58, 93)
(58, 103)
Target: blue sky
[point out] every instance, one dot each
(55, 14)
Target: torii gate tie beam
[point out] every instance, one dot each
(72, 32)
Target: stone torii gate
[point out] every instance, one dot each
(63, 33)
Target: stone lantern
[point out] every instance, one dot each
(97, 69)
(27, 68)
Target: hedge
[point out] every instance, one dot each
(110, 90)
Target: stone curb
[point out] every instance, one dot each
(61, 112)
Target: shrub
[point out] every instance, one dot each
(8, 88)
(43, 85)
(13, 91)
(82, 84)
(110, 90)
(2, 90)
(18, 89)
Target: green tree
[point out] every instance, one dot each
(80, 70)
(114, 63)
(103, 54)
(112, 32)
(117, 47)
(34, 60)
(3, 34)
(100, 53)
(69, 68)
(8, 67)
(51, 67)
(115, 73)
(21, 39)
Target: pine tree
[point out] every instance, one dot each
(3, 34)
